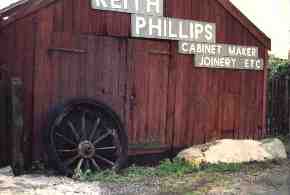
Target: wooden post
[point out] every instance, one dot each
(287, 102)
(4, 128)
(264, 126)
(17, 126)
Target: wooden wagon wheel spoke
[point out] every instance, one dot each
(72, 160)
(79, 166)
(66, 139)
(107, 148)
(95, 128)
(67, 150)
(87, 164)
(109, 132)
(83, 125)
(105, 160)
(73, 129)
(95, 164)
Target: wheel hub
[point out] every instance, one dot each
(86, 149)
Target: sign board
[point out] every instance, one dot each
(195, 37)
(172, 29)
(217, 49)
(228, 62)
(146, 7)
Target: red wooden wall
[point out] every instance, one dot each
(194, 105)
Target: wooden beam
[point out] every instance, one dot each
(17, 125)
(68, 50)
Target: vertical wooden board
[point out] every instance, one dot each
(138, 90)
(97, 24)
(58, 16)
(17, 67)
(182, 97)
(171, 98)
(158, 87)
(117, 24)
(81, 17)
(68, 15)
(10, 47)
(201, 104)
(206, 11)
(264, 92)
(3, 124)
(42, 77)
(172, 7)
(82, 43)
(213, 102)
(90, 78)
(17, 126)
(28, 35)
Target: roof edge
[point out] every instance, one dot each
(246, 22)
(226, 4)
(12, 6)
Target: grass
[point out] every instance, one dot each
(177, 176)
(136, 173)
(167, 168)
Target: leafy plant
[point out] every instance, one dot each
(278, 67)
(176, 167)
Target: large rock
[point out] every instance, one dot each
(275, 148)
(235, 151)
(191, 154)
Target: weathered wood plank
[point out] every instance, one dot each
(17, 126)
(4, 126)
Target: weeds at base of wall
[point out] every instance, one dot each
(167, 168)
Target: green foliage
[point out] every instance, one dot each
(223, 167)
(278, 66)
(134, 174)
(176, 167)
(167, 168)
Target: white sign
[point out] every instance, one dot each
(173, 29)
(147, 7)
(218, 49)
(194, 37)
(228, 62)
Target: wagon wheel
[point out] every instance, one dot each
(86, 135)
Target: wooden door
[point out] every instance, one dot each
(147, 93)
(89, 67)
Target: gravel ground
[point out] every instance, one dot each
(36, 184)
(273, 180)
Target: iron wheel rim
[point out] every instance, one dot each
(86, 137)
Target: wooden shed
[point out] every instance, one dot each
(82, 68)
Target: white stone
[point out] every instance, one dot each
(235, 151)
(191, 154)
(275, 147)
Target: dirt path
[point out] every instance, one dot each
(273, 179)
